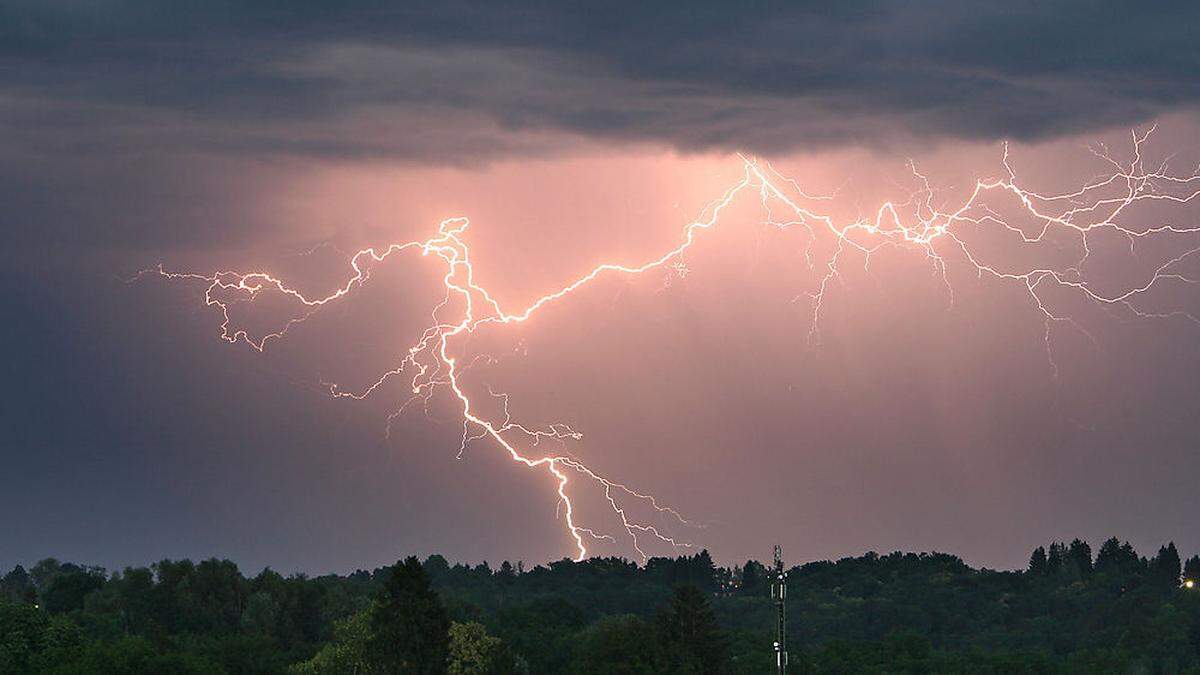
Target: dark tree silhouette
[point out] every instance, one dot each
(691, 637)
(17, 586)
(1054, 561)
(67, 591)
(1166, 567)
(1037, 561)
(507, 573)
(1191, 570)
(900, 612)
(753, 579)
(1117, 558)
(410, 631)
(618, 644)
(1080, 555)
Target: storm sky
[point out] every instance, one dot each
(223, 135)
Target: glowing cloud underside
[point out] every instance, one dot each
(915, 224)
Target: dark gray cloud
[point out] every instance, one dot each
(455, 81)
(127, 123)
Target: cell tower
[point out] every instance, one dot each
(778, 594)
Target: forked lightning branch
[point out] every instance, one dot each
(918, 223)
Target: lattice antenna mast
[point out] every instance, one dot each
(779, 594)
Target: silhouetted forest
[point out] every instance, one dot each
(1070, 611)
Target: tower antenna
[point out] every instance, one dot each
(778, 594)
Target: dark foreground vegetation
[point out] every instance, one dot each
(1069, 611)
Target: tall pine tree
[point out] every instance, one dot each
(1166, 567)
(690, 634)
(410, 630)
(1037, 562)
(1080, 554)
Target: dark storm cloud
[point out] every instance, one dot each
(454, 81)
(119, 118)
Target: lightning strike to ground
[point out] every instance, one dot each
(916, 224)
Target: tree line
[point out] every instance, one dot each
(1068, 611)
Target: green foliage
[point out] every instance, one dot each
(896, 613)
(624, 645)
(542, 631)
(750, 654)
(347, 654)
(125, 656)
(474, 652)
(22, 636)
(67, 590)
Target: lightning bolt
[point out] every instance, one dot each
(917, 223)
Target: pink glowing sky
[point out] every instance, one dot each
(910, 423)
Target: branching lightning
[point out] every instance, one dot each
(916, 223)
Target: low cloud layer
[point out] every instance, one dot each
(461, 81)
